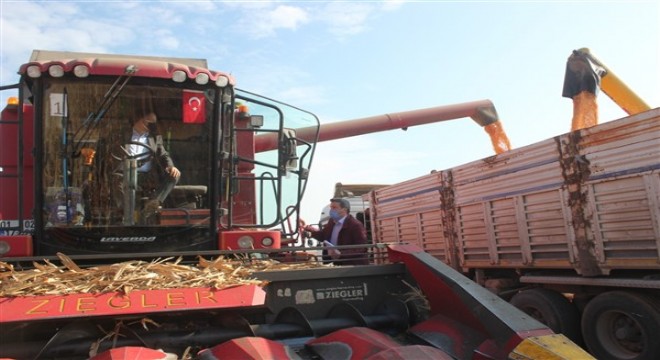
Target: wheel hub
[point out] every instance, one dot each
(625, 333)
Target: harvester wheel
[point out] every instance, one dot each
(622, 325)
(552, 309)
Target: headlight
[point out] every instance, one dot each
(267, 241)
(56, 70)
(179, 76)
(245, 242)
(202, 78)
(4, 247)
(222, 81)
(34, 71)
(81, 71)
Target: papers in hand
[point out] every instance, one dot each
(331, 248)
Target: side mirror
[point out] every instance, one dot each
(256, 121)
(288, 148)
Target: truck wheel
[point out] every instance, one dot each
(552, 309)
(622, 325)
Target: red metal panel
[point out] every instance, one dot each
(229, 239)
(19, 245)
(247, 348)
(28, 137)
(357, 343)
(9, 136)
(9, 163)
(131, 353)
(457, 339)
(453, 296)
(417, 352)
(243, 204)
(136, 302)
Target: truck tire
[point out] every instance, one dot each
(552, 309)
(622, 325)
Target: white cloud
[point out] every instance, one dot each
(346, 18)
(261, 19)
(60, 26)
(287, 17)
(285, 82)
(307, 95)
(164, 17)
(264, 22)
(166, 40)
(392, 5)
(155, 27)
(201, 7)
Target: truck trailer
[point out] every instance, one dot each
(567, 229)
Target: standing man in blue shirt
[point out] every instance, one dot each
(342, 229)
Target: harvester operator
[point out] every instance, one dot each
(158, 171)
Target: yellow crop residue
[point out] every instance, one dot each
(585, 111)
(498, 137)
(219, 273)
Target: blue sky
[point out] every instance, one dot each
(344, 60)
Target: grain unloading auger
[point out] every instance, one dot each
(482, 112)
(411, 306)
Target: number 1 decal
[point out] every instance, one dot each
(57, 107)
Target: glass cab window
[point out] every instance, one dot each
(112, 159)
(143, 158)
(276, 174)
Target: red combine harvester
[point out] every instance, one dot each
(70, 185)
(238, 171)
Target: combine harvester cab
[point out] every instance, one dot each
(410, 307)
(73, 182)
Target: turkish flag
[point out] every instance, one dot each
(194, 107)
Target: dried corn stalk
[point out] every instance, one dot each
(51, 279)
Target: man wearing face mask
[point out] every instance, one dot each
(158, 173)
(342, 229)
